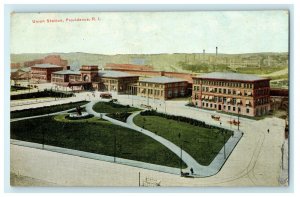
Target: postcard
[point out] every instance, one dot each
(150, 99)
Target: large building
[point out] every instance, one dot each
(232, 92)
(41, 73)
(90, 77)
(162, 87)
(116, 81)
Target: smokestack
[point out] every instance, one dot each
(203, 51)
(216, 51)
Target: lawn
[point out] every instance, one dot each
(95, 136)
(203, 144)
(110, 107)
(45, 110)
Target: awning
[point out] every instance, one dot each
(210, 97)
(249, 93)
(238, 92)
(210, 89)
(206, 97)
(247, 102)
(202, 96)
(228, 100)
(238, 101)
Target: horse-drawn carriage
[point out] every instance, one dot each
(215, 117)
(234, 122)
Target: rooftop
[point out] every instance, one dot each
(68, 72)
(46, 66)
(230, 76)
(162, 79)
(114, 74)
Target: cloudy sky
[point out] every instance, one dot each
(151, 32)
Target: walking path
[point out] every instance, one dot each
(199, 170)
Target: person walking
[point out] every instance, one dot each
(192, 171)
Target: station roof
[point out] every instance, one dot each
(46, 66)
(231, 76)
(162, 79)
(68, 72)
(114, 74)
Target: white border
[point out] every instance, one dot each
(127, 7)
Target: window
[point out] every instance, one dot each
(234, 91)
(234, 101)
(216, 89)
(224, 91)
(233, 108)
(228, 108)
(247, 110)
(206, 104)
(229, 91)
(220, 90)
(210, 105)
(224, 106)
(215, 106)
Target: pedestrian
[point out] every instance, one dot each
(268, 130)
(192, 171)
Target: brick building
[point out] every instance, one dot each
(42, 72)
(162, 87)
(232, 92)
(116, 81)
(90, 77)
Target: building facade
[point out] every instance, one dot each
(115, 81)
(242, 94)
(162, 88)
(41, 73)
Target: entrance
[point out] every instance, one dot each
(220, 107)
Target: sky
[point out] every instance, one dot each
(233, 32)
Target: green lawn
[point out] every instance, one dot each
(45, 110)
(110, 107)
(203, 144)
(95, 136)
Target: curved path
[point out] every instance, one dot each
(199, 170)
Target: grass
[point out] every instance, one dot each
(93, 135)
(110, 107)
(45, 110)
(203, 144)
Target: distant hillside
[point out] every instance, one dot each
(253, 63)
(168, 62)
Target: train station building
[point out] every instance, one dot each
(236, 93)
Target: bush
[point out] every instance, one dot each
(45, 93)
(120, 116)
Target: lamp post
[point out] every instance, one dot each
(238, 118)
(115, 147)
(224, 145)
(179, 135)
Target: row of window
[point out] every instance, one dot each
(223, 91)
(225, 107)
(224, 83)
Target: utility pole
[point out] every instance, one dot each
(115, 147)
